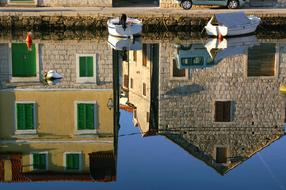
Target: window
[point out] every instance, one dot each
(145, 55)
(40, 161)
(135, 56)
(144, 89)
(126, 81)
(25, 116)
(261, 60)
(178, 72)
(86, 116)
(23, 60)
(221, 154)
(223, 111)
(73, 161)
(194, 61)
(131, 83)
(85, 66)
(148, 117)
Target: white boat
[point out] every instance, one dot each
(232, 24)
(219, 50)
(125, 28)
(125, 43)
(52, 75)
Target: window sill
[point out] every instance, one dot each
(25, 132)
(86, 132)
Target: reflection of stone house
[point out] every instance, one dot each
(59, 132)
(137, 75)
(226, 113)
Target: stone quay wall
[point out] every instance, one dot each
(158, 20)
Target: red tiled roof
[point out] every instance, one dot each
(126, 108)
(53, 176)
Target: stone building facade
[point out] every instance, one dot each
(225, 113)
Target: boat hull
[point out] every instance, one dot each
(234, 31)
(133, 28)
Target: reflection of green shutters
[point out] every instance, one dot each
(86, 66)
(39, 161)
(25, 116)
(85, 116)
(23, 60)
(72, 161)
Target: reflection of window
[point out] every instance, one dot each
(23, 60)
(261, 60)
(131, 83)
(73, 161)
(221, 154)
(145, 56)
(86, 68)
(148, 116)
(25, 116)
(144, 89)
(135, 56)
(126, 81)
(86, 116)
(223, 111)
(192, 61)
(40, 161)
(178, 72)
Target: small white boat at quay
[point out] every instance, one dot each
(52, 75)
(232, 24)
(124, 27)
(125, 43)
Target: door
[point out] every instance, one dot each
(23, 60)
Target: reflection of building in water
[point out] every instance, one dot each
(225, 113)
(137, 76)
(57, 132)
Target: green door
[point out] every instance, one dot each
(23, 60)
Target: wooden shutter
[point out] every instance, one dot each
(23, 60)
(25, 116)
(126, 81)
(21, 116)
(218, 111)
(72, 161)
(135, 56)
(226, 111)
(223, 111)
(144, 89)
(145, 55)
(89, 116)
(39, 161)
(29, 113)
(80, 116)
(221, 154)
(178, 72)
(86, 66)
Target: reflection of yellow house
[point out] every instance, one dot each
(137, 75)
(56, 131)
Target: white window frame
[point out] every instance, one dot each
(32, 160)
(80, 161)
(88, 131)
(86, 79)
(33, 131)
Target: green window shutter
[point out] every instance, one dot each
(25, 116)
(89, 116)
(72, 161)
(23, 60)
(85, 116)
(81, 116)
(39, 161)
(86, 66)
(21, 116)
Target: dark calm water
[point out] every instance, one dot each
(146, 113)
